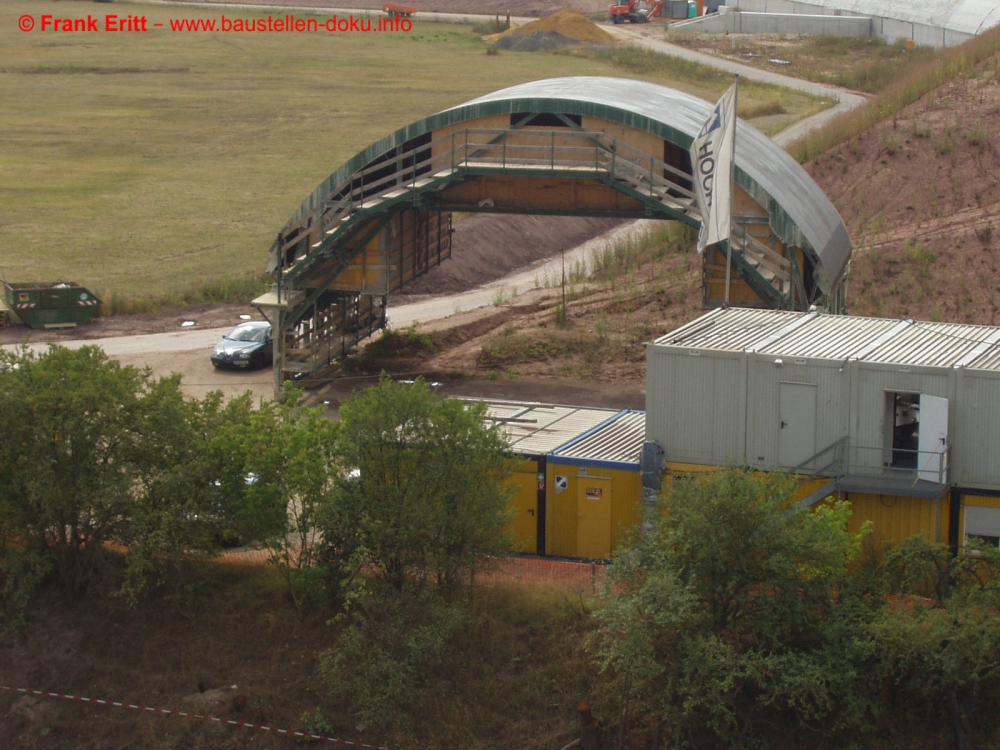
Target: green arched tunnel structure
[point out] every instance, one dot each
(586, 146)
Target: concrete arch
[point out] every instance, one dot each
(576, 146)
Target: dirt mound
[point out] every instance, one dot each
(489, 246)
(565, 23)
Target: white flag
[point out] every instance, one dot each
(712, 156)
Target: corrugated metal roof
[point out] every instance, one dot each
(800, 212)
(539, 429)
(841, 337)
(829, 337)
(733, 330)
(933, 344)
(620, 440)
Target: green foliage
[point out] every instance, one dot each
(502, 294)
(424, 497)
(509, 347)
(941, 654)
(316, 723)
(93, 453)
(187, 490)
(393, 659)
(725, 618)
(977, 135)
(394, 344)
(495, 666)
(71, 454)
(633, 252)
(232, 288)
(283, 457)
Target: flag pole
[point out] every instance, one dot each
(732, 188)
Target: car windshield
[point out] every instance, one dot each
(249, 333)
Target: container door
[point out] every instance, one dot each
(593, 512)
(932, 439)
(524, 503)
(797, 429)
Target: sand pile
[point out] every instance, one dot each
(558, 30)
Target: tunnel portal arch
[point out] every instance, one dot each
(583, 146)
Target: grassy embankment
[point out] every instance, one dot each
(914, 82)
(770, 108)
(157, 168)
(865, 64)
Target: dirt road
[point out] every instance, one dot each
(186, 351)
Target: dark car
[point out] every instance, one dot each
(246, 346)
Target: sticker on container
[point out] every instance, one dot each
(561, 483)
(594, 493)
(24, 297)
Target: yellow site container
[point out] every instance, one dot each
(589, 508)
(527, 504)
(894, 518)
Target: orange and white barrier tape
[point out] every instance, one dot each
(168, 712)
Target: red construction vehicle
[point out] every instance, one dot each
(636, 11)
(398, 11)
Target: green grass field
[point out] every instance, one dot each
(149, 165)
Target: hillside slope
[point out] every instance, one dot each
(920, 195)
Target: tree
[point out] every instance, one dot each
(286, 469)
(188, 494)
(70, 455)
(941, 651)
(94, 454)
(730, 613)
(424, 495)
(422, 499)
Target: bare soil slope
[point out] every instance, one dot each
(920, 195)
(487, 247)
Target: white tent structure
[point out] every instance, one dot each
(934, 23)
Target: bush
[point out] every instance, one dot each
(393, 659)
(423, 499)
(725, 619)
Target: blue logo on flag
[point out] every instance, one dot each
(714, 121)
